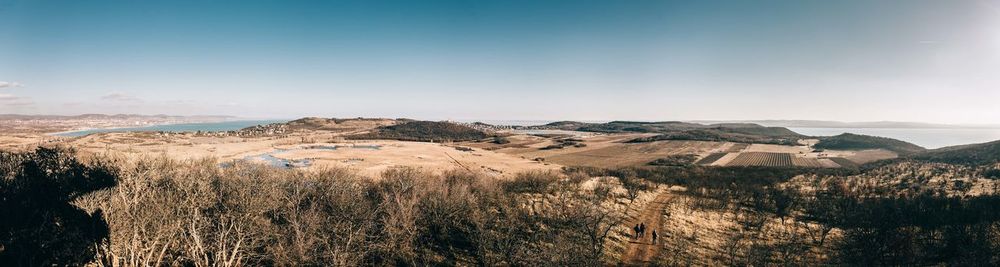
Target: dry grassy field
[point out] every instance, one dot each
(518, 152)
(608, 150)
(717, 222)
(432, 157)
(785, 156)
(429, 157)
(711, 158)
(768, 159)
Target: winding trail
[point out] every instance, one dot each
(642, 251)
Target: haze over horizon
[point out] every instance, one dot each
(918, 61)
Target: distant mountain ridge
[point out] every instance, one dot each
(678, 130)
(115, 117)
(972, 154)
(423, 131)
(20, 123)
(849, 141)
(840, 124)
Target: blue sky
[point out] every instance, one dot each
(931, 61)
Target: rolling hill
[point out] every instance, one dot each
(974, 154)
(425, 131)
(639, 127)
(676, 130)
(849, 141)
(718, 135)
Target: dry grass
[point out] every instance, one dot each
(170, 212)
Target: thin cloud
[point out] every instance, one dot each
(4, 84)
(8, 97)
(8, 100)
(120, 97)
(19, 104)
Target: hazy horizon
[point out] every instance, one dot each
(824, 124)
(852, 61)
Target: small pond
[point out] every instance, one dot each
(269, 158)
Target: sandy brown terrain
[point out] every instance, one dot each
(707, 237)
(606, 151)
(611, 150)
(524, 152)
(643, 251)
(294, 142)
(18, 141)
(41, 124)
(432, 157)
(803, 156)
(429, 156)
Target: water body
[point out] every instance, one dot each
(554, 132)
(336, 147)
(524, 122)
(182, 127)
(269, 158)
(925, 137)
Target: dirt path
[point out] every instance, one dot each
(642, 251)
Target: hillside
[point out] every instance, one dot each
(639, 127)
(565, 125)
(974, 154)
(676, 130)
(848, 141)
(335, 124)
(754, 129)
(426, 131)
(719, 135)
(841, 124)
(317, 124)
(158, 117)
(15, 123)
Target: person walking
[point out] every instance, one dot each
(654, 236)
(642, 230)
(636, 230)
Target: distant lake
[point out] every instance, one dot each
(522, 122)
(181, 127)
(925, 137)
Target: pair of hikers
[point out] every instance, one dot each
(640, 231)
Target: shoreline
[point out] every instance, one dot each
(138, 128)
(89, 129)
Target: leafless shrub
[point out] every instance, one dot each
(168, 212)
(531, 182)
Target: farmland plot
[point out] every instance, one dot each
(614, 155)
(846, 163)
(828, 163)
(737, 147)
(762, 159)
(711, 158)
(807, 162)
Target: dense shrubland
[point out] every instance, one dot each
(675, 160)
(719, 135)
(899, 229)
(561, 143)
(157, 211)
(849, 141)
(974, 154)
(166, 212)
(424, 131)
(39, 226)
(904, 213)
(627, 126)
(192, 212)
(675, 130)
